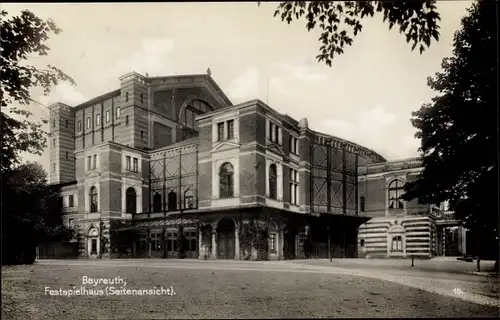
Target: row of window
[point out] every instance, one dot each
(98, 119)
(131, 166)
(275, 135)
(65, 121)
(92, 162)
(396, 243)
(225, 130)
(67, 201)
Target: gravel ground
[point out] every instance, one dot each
(220, 293)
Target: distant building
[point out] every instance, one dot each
(169, 167)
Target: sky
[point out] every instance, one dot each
(367, 96)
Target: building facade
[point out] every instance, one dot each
(168, 167)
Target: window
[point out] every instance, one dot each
(54, 142)
(397, 243)
(230, 129)
(192, 110)
(94, 163)
(130, 201)
(226, 184)
(273, 177)
(271, 131)
(126, 120)
(107, 116)
(395, 193)
(294, 145)
(53, 167)
(71, 202)
(79, 125)
(157, 207)
(71, 223)
(97, 119)
(142, 97)
(172, 201)
(118, 113)
(272, 242)
(142, 135)
(172, 241)
(89, 163)
(67, 155)
(220, 131)
(362, 242)
(127, 163)
(126, 96)
(53, 123)
(93, 199)
(276, 133)
(294, 187)
(88, 122)
(67, 123)
(362, 204)
(136, 165)
(188, 199)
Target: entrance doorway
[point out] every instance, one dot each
(93, 243)
(226, 239)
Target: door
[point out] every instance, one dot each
(226, 245)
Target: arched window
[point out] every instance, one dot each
(395, 192)
(188, 199)
(157, 207)
(273, 181)
(172, 201)
(193, 109)
(131, 200)
(93, 199)
(226, 182)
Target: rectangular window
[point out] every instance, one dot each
(362, 204)
(54, 123)
(71, 201)
(89, 163)
(97, 119)
(294, 145)
(67, 155)
(126, 120)
(397, 243)
(88, 122)
(136, 165)
(276, 133)
(271, 131)
(127, 163)
(294, 187)
(53, 167)
(220, 131)
(95, 162)
(230, 129)
(67, 123)
(107, 116)
(54, 142)
(142, 135)
(79, 125)
(118, 113)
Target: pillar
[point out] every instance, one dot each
(149, 248)
(214, 243)
(134, 248)
(237, 242)
(202, 249)
(281, 243)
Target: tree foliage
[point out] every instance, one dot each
(458, 129)
(22, 37)
(31, 211)
(340, 21)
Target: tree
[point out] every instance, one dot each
(21, 37)
(417, 20)
(30, 208)
(459, 133)
(31, 215)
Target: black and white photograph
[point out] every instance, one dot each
(250, 160)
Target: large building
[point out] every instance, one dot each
(169, 167)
